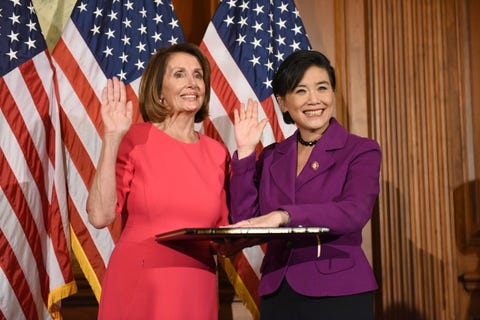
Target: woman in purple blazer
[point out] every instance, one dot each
(320, 176)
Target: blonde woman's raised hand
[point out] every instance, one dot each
(248, 129)
(117, 112)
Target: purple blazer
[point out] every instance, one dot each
(337, 189)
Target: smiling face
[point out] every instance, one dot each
(310, 103)
(183, 88)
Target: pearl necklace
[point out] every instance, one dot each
(306, 143)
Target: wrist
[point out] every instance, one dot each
(286, 218)
(245, 151)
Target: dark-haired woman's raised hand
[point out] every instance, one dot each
(248, 130)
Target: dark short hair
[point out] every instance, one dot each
(293, 68)
(150, 90)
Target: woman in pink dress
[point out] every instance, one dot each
(160, 175)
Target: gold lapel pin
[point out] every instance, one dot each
(315, 165)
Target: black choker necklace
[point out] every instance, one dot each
(306, 143)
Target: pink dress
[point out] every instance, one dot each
(164, 184)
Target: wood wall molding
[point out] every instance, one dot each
(417, 58)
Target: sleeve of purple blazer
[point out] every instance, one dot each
(243, 202)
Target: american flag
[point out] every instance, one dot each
(245, 43)
(102, 39)
(35, 269)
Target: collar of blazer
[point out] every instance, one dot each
(283, 167)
